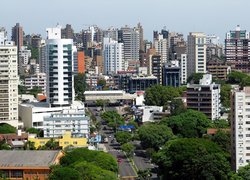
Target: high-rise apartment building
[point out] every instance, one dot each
(161, 47)
(67, 32)
(3, 36)
(59, 68)
(237, 49)
(113, 53)
(205, 97)
(183, 65)
(240, 128)
(171, 74)
(130, 37)
(8, 83)
(141, 37)
(17, 36)
(155, 67)
(196, 53)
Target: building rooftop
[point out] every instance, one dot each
(21, 158)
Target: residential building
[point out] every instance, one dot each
(3, 36)
(177, 45)
(42, 57)
(17, 36)
(161, 47)
(15, 140)
(59, 68)
(67, 140)
(240, 127)
(196, 53)
(80, 62)
(155, 67)
(36, 80)
(23, 59)
(99, 64)
(140, 29)
(183, 68)
(218, 69)
(74, 120)
(130, 37)
(8, 84)
(113, 53)
(237, 49)
(67, 32)
(28, 164)
(205, 97)
(171, 74)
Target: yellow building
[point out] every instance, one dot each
(64, 141)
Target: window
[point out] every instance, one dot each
(66, 142)
(16, 174)
(75, 142)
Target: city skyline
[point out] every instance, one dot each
(183, 17)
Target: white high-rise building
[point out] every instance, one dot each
(113, 56)
(24, 55)
(183, 68)
(3, 36)
(8, 82)
(59, 68)
(240, 128)
(196, 53)
(161, 47)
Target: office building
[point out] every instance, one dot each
(59, 68)
(113, 53)
(130, 37)
(8, 83)
(240, 128)
(17, 36)
(237, 50)
(141, 83)
(205, 97)
(36, 80)
(218, 69)
(183, 66)
(196, 53)
(171, 74)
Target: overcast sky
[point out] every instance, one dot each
(209, 16)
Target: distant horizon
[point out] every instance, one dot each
(177, 16)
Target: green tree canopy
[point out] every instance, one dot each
(225, 94)
(6, 128)
(128, 149)
(188, 124)
(101, 82)
(80, 86)
(65, 173)
(177, 107)
(195, 78)
(236, 77)
(90, 171)
(113, 119)
(123, 137)
(160, 95)
(243, 173)
(35, 90)
(22, 89)
(98, 158)
(187, 158)
(154, 135)
(221, 123)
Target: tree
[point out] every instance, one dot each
(177, 107)
(101, 159)
(102, 103)
(80, 86)
(188, 124)
(243, 173)
(195, 78)
(192, 158)
(128, 149)
(123, 137)
(35, 90)
(65, 173)
(33, 131)
(22, 89)
(4, 145)
(50, 145)
(101, 82)
(144, 174)
(6, 128)
(113, 119)
(154, 135)
(90, 171)
(34, 52)
(225, 95)
(221, 123)
(223, 139)
(29, 145)
(160, 95)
